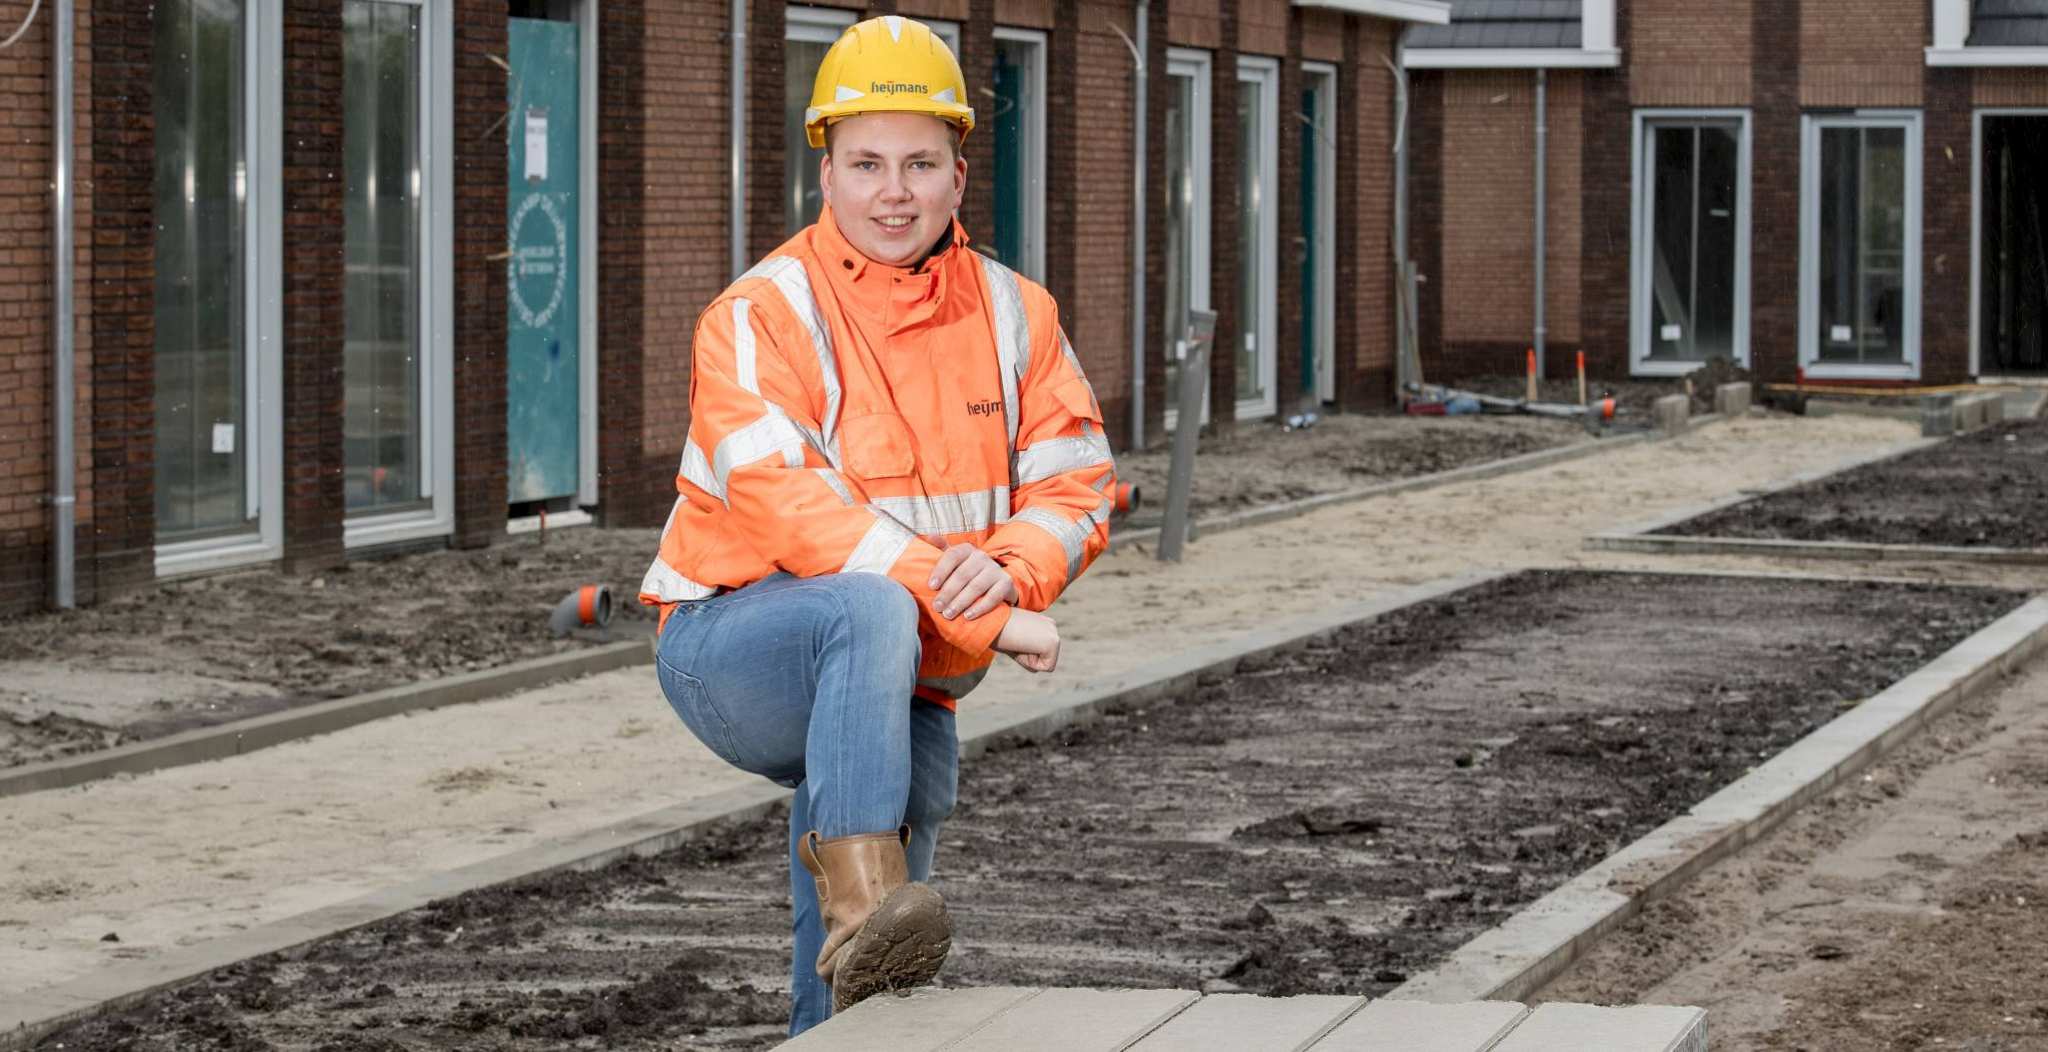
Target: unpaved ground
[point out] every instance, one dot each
(223, 648)
(1985, 489)
(1633, 396)
(1906, 910)
(1328, 823)
(184, 855)
(1262, 463)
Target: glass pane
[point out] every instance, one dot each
(201, 373)
(1180, 207)
(381, 427)
(1013, 105)
(2014, 315)
(1862, 245)
(1694, 170)
(1673, 168)
(1251, 135)
(1720, 164)
(800, 163)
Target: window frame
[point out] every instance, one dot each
(262, 424)
(1951, 47)
(436, 326)
(1198, 66)
(1035, 145)
(1812, 125)
(1258, 69)
(1639, 314)
(806, 24)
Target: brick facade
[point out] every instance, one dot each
(1774, 192)
(314, 280)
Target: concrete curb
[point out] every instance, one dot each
(1646, 536)
(1472, 473)
(239, 736)
(29, 1016)
(1515, 959)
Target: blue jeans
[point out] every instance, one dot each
(807, 681)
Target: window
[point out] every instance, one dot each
(1690, 265)
(1018, 124)
(1258, 90)
(2009, 257)
(2011, 33)
(1186, 187)
(809, 34)
(398, 444)
(217, 323)
(1860, 258)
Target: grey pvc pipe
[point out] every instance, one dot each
(736, 121)
(1542, 208)
(1402, 377)
(1141, 20)
(64, 495)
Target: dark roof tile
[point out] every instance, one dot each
(1512, 24)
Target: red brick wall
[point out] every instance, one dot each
(118, 292)
(2009, 87)
(1946, 150)
(1687, 53)
(1774, 191)
(480, 131)
(1262, 27)
(1195, 23)
(1365, 176)
(314, 279)
(1096, 306)
(1862, 52)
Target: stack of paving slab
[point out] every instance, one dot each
(1033, 1019)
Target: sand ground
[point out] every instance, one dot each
(183, 855)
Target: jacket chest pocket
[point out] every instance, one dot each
(877, 446)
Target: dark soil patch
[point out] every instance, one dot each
(1986, 489)
(1330, 822)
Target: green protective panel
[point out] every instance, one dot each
(541, 374)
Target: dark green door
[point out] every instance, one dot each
(541, 373)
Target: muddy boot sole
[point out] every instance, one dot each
(901, 945)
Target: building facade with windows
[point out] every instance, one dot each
(353, 276)
(1845, 192)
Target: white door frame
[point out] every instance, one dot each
(1322, 77)
(1977, 222)
(263, 321)
(1640, 232)
(1253, 69)
(1198, 66)
(1811, 126)
(1034, 151)
(436, 291)
(586, 249)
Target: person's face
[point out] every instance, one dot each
(893, 181)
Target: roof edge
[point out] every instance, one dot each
(1426, 12)
(1509, 58)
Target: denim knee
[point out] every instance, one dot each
(883, 610)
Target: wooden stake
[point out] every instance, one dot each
(1532, 374)
(1582, 378)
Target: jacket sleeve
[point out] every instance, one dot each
(767, 462)
(1062, 482)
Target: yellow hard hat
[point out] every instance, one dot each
(889, 64)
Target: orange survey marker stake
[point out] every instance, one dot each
(1532, 374)
(1582, 378)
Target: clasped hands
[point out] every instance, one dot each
(970, 583)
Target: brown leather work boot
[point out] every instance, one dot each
(881, 931)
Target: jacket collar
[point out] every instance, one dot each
(846, 264)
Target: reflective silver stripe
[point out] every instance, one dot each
(744, 355)
(665, 584)
(1013, 335)
(696, 467)
(1057, 456)
(950, 512)
(788, 275)
(838, 484)
(880, 547)
(1073, 536)
(773, 433)
(955, 687)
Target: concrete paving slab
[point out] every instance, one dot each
(1245, 1022)
(922, 1020)
(1590, 1028)
(1072, 1020)
(1415, 1026)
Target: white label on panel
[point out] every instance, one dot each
(1841, 334)
(536, 144)
(1670, 333)
(223, 438)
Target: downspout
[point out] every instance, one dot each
(736, 120)
(64, 498)
(1395, 66)
(1542, 209)
(1140, 21)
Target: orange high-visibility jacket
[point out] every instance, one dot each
(851, 417)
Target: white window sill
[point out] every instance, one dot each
(1426, 12)
(1671, 367)
(1987, 56)
(189, 558)
(1509, 58)
(1848, 371)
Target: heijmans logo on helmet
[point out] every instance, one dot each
(893, 88)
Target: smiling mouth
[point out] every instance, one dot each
(896, 223)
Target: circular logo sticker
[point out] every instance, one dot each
(537, 273)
